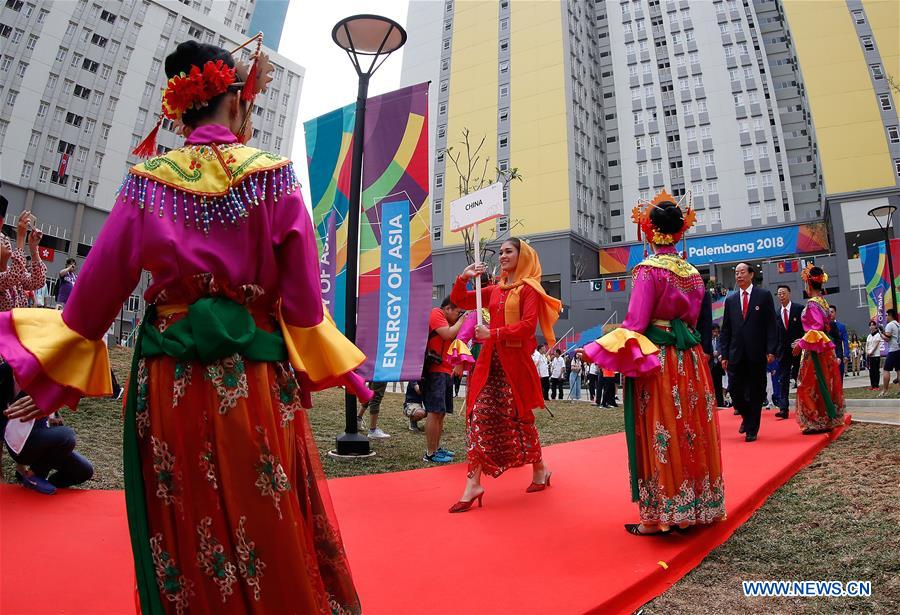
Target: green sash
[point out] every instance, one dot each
(214, 328)
(830, 410)
(681, 337)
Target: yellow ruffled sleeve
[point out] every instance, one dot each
(624, 351)
(323, 357)
(56, 365)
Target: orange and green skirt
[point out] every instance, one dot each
(672, 428)
(820, 391)
(228, 507)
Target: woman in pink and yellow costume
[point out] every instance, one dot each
(671, 423)
(820, 391)
(227, 504)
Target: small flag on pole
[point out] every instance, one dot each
(615, 286)
(788, 267)
(47, 254)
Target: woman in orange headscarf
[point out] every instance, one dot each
(505, 388)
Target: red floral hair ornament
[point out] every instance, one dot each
(808, 277)
(640, 215)
(200, 85)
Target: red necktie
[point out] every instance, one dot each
(784, 317)
(745, 303)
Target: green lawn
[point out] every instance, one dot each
(837, 519)
(866, 393)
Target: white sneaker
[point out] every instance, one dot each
(378, 434)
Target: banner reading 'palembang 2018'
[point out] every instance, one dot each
(395, 278)
(877, 277)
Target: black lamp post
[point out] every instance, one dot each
(368, 39)
(888, 212)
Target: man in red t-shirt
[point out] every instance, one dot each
(443, 325)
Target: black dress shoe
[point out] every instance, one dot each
(781, 415)
(742, 429)
(750, 438)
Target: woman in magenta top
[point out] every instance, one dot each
(671, 423)
(820, 389)
(227, 504)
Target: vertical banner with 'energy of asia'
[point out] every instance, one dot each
(395, 246)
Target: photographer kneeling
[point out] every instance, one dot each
(44, 452)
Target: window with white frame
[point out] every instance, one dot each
(893, 134)
(750, 181)
(44, 175)
(27, 168)
(885, 101)
(877, 71)
(712, 187)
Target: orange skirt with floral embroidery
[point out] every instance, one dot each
(679, 460)
(240, 519)
(811, 412)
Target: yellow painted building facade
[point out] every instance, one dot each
(538, 144)
(852, 143)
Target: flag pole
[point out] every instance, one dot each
(477, 277)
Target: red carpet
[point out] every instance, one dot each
(560, 551)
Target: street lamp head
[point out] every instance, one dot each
(368, 35)
(885, 211)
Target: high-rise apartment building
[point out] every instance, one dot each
(83, 83)
(768, 111)
(80, 85)
(503, 71)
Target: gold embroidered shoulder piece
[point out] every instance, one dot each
(206, 183)
(670, 262)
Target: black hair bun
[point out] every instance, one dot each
(816, 271)
(191, 53)
(667, 217)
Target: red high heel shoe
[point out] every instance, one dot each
(464, 506)
(535, 487)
